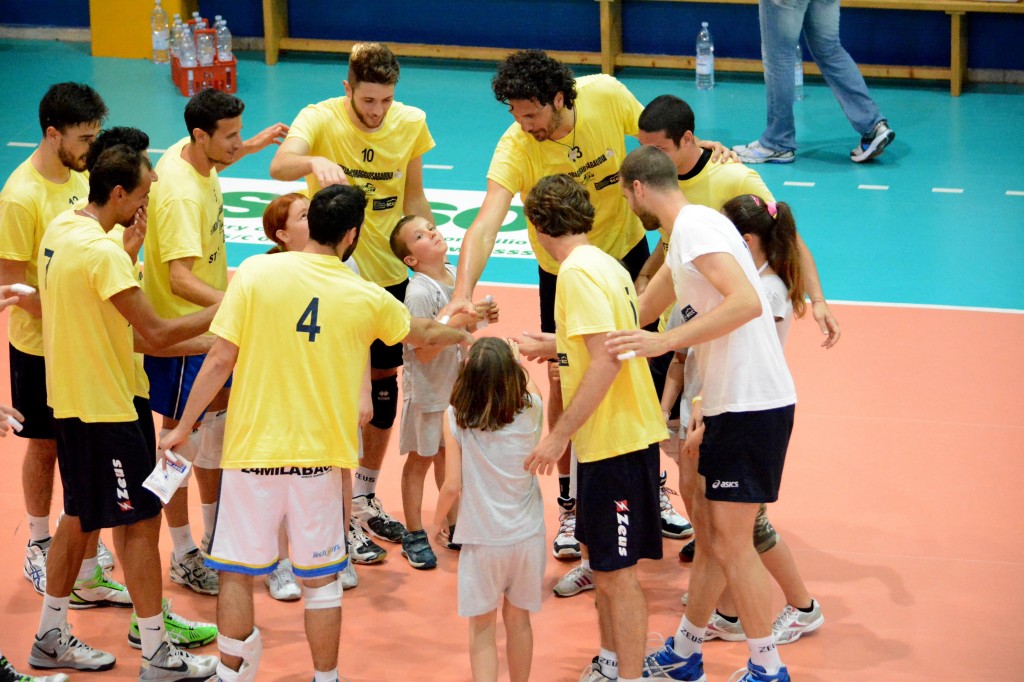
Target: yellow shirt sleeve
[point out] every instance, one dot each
(181, 236)
(17, 230)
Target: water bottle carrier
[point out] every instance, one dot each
(220, 75)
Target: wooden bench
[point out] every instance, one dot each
(613, 57)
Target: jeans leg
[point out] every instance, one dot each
(821, 30)
(781, 21)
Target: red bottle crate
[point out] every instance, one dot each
(219, 75)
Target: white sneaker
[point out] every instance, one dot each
(35, 563)
(720, 628)
(792, 623)
(673, 524)
(592, 673)
(565, 546)
(575, 581)
(99, 590)
(194, 574)
(104, 555)
(361, 549)
(348, 577)
(755, 152)
(58, 648)
(171, 663)
(8, 673)
(281, 582)
(369, 513)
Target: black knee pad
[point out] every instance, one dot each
(385, 401)
(765, 536)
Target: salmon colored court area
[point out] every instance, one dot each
(900, 500)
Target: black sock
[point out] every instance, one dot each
(563, 486)
(731, 619)
(808, 609)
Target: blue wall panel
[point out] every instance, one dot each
(64, 13)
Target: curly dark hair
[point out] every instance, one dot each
(533, 75)
(558, 206)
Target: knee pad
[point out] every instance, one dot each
(765, 536)
(211, 440)
(326, 597)
(249, 651)
(187, 450)
(384, 393)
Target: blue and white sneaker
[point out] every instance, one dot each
(873, 143)
(755, 673)
(755, 152)
(666, 664)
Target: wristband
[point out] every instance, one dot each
(696, 400)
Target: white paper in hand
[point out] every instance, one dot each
(163, 482)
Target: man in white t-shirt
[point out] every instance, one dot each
(741, 421)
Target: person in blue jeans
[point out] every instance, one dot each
(781, 22)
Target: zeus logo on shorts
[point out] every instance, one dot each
(725, 484)
(622, 521)
(123, 501)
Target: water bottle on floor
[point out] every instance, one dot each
(161, 34)
(705, 58)
(798, 75)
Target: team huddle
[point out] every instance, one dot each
(678, 351)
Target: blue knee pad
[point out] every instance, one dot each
(384, 393)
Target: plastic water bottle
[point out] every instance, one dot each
(705, 58)
(161, 35)
(798, 75)
(186, 49)
(176, 37)
(223, 42)
(204, 48)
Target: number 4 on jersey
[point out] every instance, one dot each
(307, 323)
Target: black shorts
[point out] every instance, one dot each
(632, 261)
(618, 510)
(102, 466)
(742, 454)
(28, 394)
(659, 372)
(383, 356)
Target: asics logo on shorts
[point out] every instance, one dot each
(123, 500)
(725, 484)
(622, 520)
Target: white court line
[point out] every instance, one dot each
(947, 190)
(21, 144)
(1014, 193)
(153, 150)
(880, 188)
(434, 166)
(794, 183)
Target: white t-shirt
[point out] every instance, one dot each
(778, 300)
(745, 370)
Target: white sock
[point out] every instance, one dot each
(572, 473)
(689, 638)
(183, 542)
(329, 676)
(585, 563)
(609, 662)
(365, 482)
(209, 518)
(55, 614)
(151, 632)
(88, 568)
(763, 652)
(38, 527)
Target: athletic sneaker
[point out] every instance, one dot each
(755, 673)
(686, 553)
(445, 538)
(35, 563)
(720, 628)
(873, 143)
(369, 513)
(792, 623)
(99, 590)
(592, 673)
(9, 674)
(281, 582)
(58, 648)
(361, 549)
(755, 152)
(566, 547)
(181, 632)
(575, 581)
(416, 548)
(666, 664)
(673, 524)
(194, 574)
(348, 577)
(171, 663)
(104, 555)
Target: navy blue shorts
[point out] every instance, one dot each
(383, 356)
(618, 509)
(28, 394)
(742, 454)
(170, 383)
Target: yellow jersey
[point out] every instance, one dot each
(88, 345)
(716, 183)
(28, 204)
(378, 162)
(594, 295)
(606, 113)
(303, 324)
(186, 220)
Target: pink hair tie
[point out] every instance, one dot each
(773, 210)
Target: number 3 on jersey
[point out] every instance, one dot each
(307, 322)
